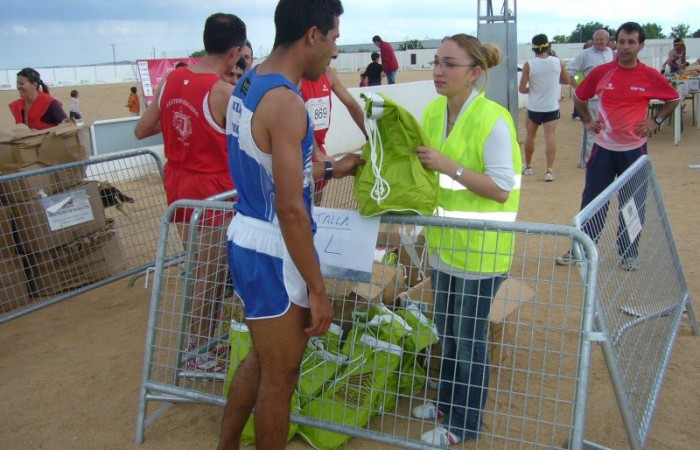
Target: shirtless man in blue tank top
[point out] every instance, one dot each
(273, 262)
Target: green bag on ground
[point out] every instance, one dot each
(356, 393)
(382, 323)
(318, 366)
(393, 180)
(412, 375)
(240, 344)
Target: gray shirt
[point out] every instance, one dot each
(588, 60)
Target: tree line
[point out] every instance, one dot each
(584, 32)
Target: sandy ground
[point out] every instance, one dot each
(71, 373)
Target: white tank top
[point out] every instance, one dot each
(544, 84)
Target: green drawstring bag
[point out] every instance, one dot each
(356, 393)
(382, 323)
(393, 180)
(248, 433)
(412, 375)
(319, 365)
(240, 344)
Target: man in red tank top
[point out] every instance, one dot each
(317, 98)
(190, 110)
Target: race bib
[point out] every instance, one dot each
(319, 110)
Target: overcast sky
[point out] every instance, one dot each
(46, 33)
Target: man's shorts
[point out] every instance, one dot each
(264, 275)
(543, 117)
(182, 184)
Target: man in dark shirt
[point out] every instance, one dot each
(374, 71)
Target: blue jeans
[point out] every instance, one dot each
(461, 315)
(603, 167)
(391, 77)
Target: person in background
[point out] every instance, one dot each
(676, 60)
(364, 81)
(579, 77)
(612, 45)
(247, 55)
(189, 108)
(624, 88)
(389, 62)
(474, 148)
(75, 106)
(272, 257)
(180, 64)
(540, 79)
(317, 95)
(584, 63)
(133, 102)
(35, 107)
(374, 71)
(234, 75)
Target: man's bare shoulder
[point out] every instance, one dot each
(281, 99)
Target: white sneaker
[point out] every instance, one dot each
(527, 171)
(427, 411)
(548, 175)
(439, 436)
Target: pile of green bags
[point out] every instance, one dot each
(347, 382)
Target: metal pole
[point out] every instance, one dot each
(114, 59)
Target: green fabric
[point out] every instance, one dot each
(393, 180)
(318, 367)
(248, 433)
(355, 395)
(412, 375)
(240, 344)
(471, 250)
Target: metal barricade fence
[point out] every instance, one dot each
(642, 295)
(539, 338)
(78, 226)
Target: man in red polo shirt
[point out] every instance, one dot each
(389, 62)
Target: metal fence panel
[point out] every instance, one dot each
(77, 226)
(538, 337)
(642, 295)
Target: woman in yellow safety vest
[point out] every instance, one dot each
(473, 146)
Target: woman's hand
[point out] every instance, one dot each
(432, 159)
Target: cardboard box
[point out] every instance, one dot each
(408, 242)
(13, 284)
(388, 281)
(420, 295)
(75, 265)
(25, 188)
(58, 219)
(57, 145)
(7, 240)
(22, 149)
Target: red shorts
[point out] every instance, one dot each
(184, 184)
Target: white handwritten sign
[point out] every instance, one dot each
(345, 243)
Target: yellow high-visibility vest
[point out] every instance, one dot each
(471, 250)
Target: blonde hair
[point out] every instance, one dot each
(485, 56)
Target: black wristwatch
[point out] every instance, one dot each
(329, 170)
(658, 120)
